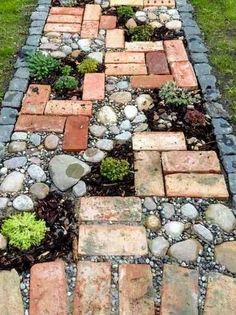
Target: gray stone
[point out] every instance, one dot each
(185, 8)
(232, 183)
(199, 58)
(192, 30)
(39, 190)
(174, 229)
(35, 30)
(123, 85)
(186, 250)
(35, 139)
(3, 203)
(105, 144)
(16, 146)
(15, 162)
(12, 183)
(84, 44)
(226, 144)
(22, 73)
(58, 54)
(52, 47)
(2, 151)
(221, 126)
(203, 233)
(3, 242)
(168, 210)
(17, 84)
(114, 130)
(229, 162)
(39, 16)
(94, 155)
(66, 49)
(140, 118)
(26, 50)
(36, 173)
(141, 127)
(196, 44)
(159, 246)
(121, 97)
(98, 56)
(8, 116)
(123, 137)
(149, 204)
(33, 40)
(189, 211)
(80, 189)
(202, 69)
(222, 216)
(216, 110)
(12, 99)
(207, 82)
(106, 116)
(144, 102)
(130, 112)
(125, 125)
(19, 136)
(97, 131)
(23, 203)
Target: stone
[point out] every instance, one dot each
(141, 127)
(189, 211)
(107, 116)
(2, 151)
(93, 155)
(168, 210)
(144, 102)
(98, 56)
(174, 25)
(35, 139)
(39, 190)
(36, 173)
(174, 229)
(203, 233)
(94, 86)
(17, 84)
(216, 110)
(12, 183)
(140, 16)
(79, 189)
(105, 144)
(125, 125)
(12, 99)
(85, 44)
(97, 131)
(131, 23)
(121, 97)
(3, 203)
(58, 54)
(15, 162)
(186, 250)
(123, 137)
(149, 204)
(51, 142)
(222, 216)
(16, 146)
(158, 246)
(19, 136)
(3, 242)
(221, 126)
(225, 255)
(130, 112)
(8, 116)
(153, 223)
(23, 203)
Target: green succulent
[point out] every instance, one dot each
(125, 12)
(114, 169)
(65, 83)
(88, 65)
(141, 32)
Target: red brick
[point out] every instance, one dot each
(151, 81)
(68, 108)
(184, 75)
(124, 57)
(77, 19)
(157, 62)
(35, 99)
(115, 38)
(40, 123)
(92, 12)
(135, 287)
(144, 46)
(66, 11)
(108, 22)
(89, 29)
(92, 291)
(190, 162)
(179, 291)
(76, 134)
(196, 186)
(126, 69)
(48, 289)
(62, 28)
(94, 86)
(159, 3)
(175, 50)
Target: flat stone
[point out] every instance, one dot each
(8, 116)
(203, 233)
(3, 203)
(168, 210)
(19, 136)
(51, 142)
(196, 44)
(15, 162)
(23, 203)
(186, 250)
(39, 190)
(19, 85)
(12, 183)
(106, 116)
(229, 162)
(97, 131)
(174, 229)
(121, 97)
(79, 189)
(12, 99)
(105, 144)
(158, 246)
(16, 146)
(225, 254)
(149, 204)
(36, 173)
(5, 132)
(221, 215)
(93, 155)
(216, 110)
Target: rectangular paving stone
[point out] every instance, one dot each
(48, 289)
(124, 57)
(94, 86)
(159, 3)
(220, 296)
(76, 134)
(92, 12)
(115, 38)
(184, 75)
(62, 28)
(158, 141)
(157, 62)
(144, 46)
(108, 22)
(175, 50)
(5, 132)
(133, 3)
(179, 293)
(89, 29)
(152, 81)
(109, 209)
(66, 11)
(10, 295)
(125, 69)
(92, 291)
(112, 240)
(148, 176)
(68, 108)
(196, 186)
(135, 290)
(190, 162)
(40, 123)
(53, 18)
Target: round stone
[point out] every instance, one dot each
(123, 85)
(23, 203)
(97, 131)
(186, 250)
(106, 116)
(149, 204)
(141, 127)
(121, 97)
(174, 229)
(94, 155)
(202, 232)
(221, 215)
(123, 137)
(13, 182)
(153, 223)
(125, 125)
(16, 146)
(105, 144)
(174, 25)
(15, 162)
(141, 16)
(58, 54)
(144, 102)
(130, 112)
(131, 23)
(36, 173)
(158, 246)
(35, 139)
(51, 142)
(84, 44)
(80, 189)
(189, 211)
(39, 190)
(168, 210)
(67, 49)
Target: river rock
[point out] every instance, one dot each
(39, 190)
(174, 25)
(80, 189)
(158, 246)
(36, 173)
(51, 142)
(3, 203)
(105, 144)
(149, 203)
(23, 203)
(93, 155)
(203, 233)
(144, 102)
(97, 131)
(189, 211)
(221, 215)
(174, 229)
(121, 97)
(168, 210)
(130, 112)
(15, 162)
(225, 255)
(186, 250)
(3, 242)
(107, 116)
(153, 223)
(13, 182)
(16, 146)
(123, 137)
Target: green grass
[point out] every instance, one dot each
(217, 19)
(14, 23)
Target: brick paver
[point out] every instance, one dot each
(135, 3)
(92, 12)
(175, 50)
(92, 291)
(124, 57)
(89, 29)
(53, 18)
(115, 38)
(150, 81)
(66, 11)
(144, 46)
(94, 86)
(126, 69)
(40, 123)
(68, 108)
(157, 62)
(62, 28)
(135, 290)
(117, 240)
(184, 75)
(108, 22)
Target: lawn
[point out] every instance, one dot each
(14, 23)
(217, 19)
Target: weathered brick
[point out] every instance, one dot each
(117, 240)
(92, 290)
(35, 99)
(159, 3)
(134, 3)
(157, 62)
(115, 38)
(151, 81)
(179, 291)
(190, 162)
(66, 11)
(159, 141)
(184, 75)
(148, 174)
(135, 290)
(124, 57)
(126, 69)
(62, 28)
(196, 186)
(175, 50)
(109, 209)
(220, 296)
(92, 12)
(144, 46)
(76, 134)
(68, 108)
(71, 19)
(94, 86)
(89, 29)
(108, 22)
(48, 289)
(40, 123)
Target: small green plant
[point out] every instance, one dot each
(24, 230)
(125, 12)
(66, 70)
(141, 33)
(114, 169)
(42, 66)
(88, 65)
(65, 83)
(174, 96)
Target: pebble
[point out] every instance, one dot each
(79, 189)
(39, 190)
(19, 136)
(16, 146)
(174, 229)
(123, 137)
(168, 210)
(84, 44)
(141, 127)
(140, 118)
(121, 97)
(58, 54)
(106, 116)
(130, 112)
(141, 16)
(158, 246)
(221, 215)
(125, 125)
(187, 250)
(98, 56)
(13, 182)
(153, 223)
(189, 211)
(97, 131)
(51, 142)
(149, 204)
(114, 130)
(15, 162)
(36, 173)
(203, 233)
(3, 242)
(123, 85)
(174, 25)
(23, 203)
(105, 144)
(144, 102)
(94, 155)
(35, 139)
(131, 23)
(3, 203)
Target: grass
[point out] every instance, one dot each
(14, 24)
(217, 19)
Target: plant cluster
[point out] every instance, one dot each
(195, 118)
(88, 65)
(65, 83)
(125, 12)
(141, 32)
(24, 230)
(114, 169)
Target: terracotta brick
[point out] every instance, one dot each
(48, 289)
(53, 18)
(133, 3)
(89, 29)
(109, 209)
(108, 22)
(92, 12)
(148, 174)
(124, 57)
(190, 162)
(151, 81)
(115, 38)
(126, 240)
(179, 291)
(184, 75)
(159, 141)
(196, 186)
(175, 50)
(135, 290)
(157, 62)
(126, 69)
(40, 123)
(68, 108)
(92, 290)
(76, 134)
(62, 28)
(94, 86)
(159, 3)
(144, 46)
(66, 11)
